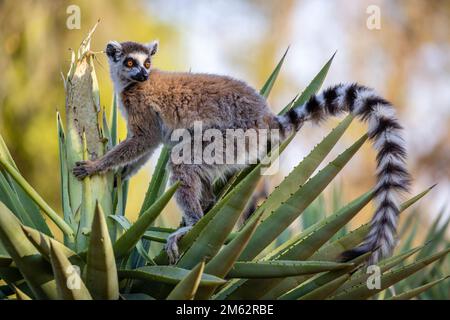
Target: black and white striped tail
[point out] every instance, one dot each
(386, 134)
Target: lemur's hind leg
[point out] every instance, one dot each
(208, 198)
(261, 193)
(189, 199)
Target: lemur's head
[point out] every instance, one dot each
(130, 61)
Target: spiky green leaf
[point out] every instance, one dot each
(268, 85)
(187, 288)
(101, 271)
(131, 236)
(42, 243)
(34, 268)
(216, 231)
(362, 291)
(417, 291)
(281, 218)
(68, 280)
(281, 268)
(166, 274)
(326, 290)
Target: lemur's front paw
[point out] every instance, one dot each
(84, 169)
(171, 246)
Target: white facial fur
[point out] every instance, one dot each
(139, 56)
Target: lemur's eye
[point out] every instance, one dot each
(147, 64)
(129, 63)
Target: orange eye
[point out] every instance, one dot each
(130, 63)
(147, 64)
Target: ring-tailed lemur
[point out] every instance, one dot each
(155, 103)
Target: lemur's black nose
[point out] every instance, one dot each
(141, 76)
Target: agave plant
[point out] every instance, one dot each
(102, 255)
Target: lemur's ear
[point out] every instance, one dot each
(113, 50)
(153, 47)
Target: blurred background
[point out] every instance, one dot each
(407, 60)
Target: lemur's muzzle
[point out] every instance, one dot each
(140, 76)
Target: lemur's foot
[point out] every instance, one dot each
(171, 246)
(83, 169)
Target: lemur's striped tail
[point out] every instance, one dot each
(385, 132)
